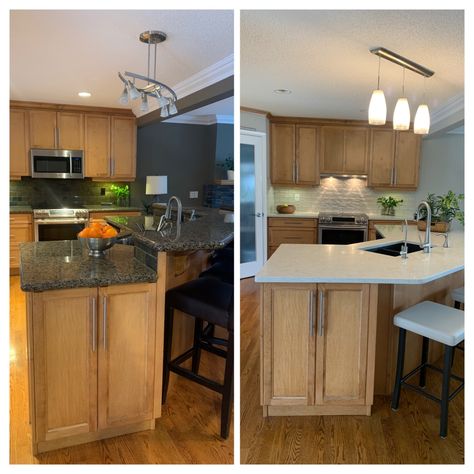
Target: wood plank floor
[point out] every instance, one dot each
(409, 436)
(187, 432)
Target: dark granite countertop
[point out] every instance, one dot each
(65, 264)
(212, 229)
(99, 208)
(21, 210)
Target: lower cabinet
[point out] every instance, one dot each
(91, 353)
(21, 230)
(318, 348)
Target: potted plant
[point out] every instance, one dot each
(228, 166)
(121, 194)
(444, 208)
(388, 204)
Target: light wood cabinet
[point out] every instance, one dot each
(291, 230)
(92, 352)
(56, 130)
(394, 159)
(97, 146)
(123, 147)
(19, 144)
(344, 150)
(318, 348)
(294, 155)
(21, 230)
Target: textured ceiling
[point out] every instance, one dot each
(323, 58)
(56, 54)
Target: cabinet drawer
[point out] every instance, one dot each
(20, 234)
(279, 236)
(20, 219)
(291, 222)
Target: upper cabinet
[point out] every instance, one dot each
(19, 144)
(344, 150)
(294, 154)
(123, 147)
(97, 146)
(394, 159)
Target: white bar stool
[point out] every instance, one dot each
(439, 323)
(457, 296)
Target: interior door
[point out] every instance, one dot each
(252, 202)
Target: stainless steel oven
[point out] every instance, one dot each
(62, 164)
(59, 224)
(342, 228)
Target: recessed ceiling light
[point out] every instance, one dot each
(281, 91)
(84, 94)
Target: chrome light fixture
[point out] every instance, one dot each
(153, 88)
(401, 114)
(377, 106)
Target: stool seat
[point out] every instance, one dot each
(458, 294)
(432, 320)
(223, 271)
(206, 298)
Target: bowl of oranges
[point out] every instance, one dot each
(97, 237)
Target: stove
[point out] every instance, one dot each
(59, 224)
(342, 227)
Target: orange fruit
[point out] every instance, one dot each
(84, 232)
(94, 233)
(95, 225)
(110, 233)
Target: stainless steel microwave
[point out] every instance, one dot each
(60, 164)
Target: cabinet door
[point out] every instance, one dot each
(407, 160)
(342, 344)
(124, 147)
(282, 160)
(289, 344)
(43, 129)
(126, 354)
(65, 364)
(307, 159)
(19, 143)
(332, 150)
(70, 131)
(382, 150)
(21, 230)
(355, 150)
(97, 146)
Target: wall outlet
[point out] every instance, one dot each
(193, 194)
(102, 191)
(297, 197)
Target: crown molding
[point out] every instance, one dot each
(189, 119)
(453, 106)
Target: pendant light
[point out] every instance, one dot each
(401, 114)
(421, 126)
(377, 106)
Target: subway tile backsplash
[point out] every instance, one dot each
(339, 194)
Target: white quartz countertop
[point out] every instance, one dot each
(314, 215)
(305, 263)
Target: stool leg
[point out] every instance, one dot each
(448, 355)
(198, 323)
(457, 305)
(424, 359)
(228, 392)
(399, 373)
(168, 339)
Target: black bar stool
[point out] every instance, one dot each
(208, 300)
(439, 323)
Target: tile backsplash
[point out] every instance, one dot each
(339, 194)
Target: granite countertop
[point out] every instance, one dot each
(65, 264)
(304, 263)
(21, 209)
(89, 207)
(212, 229)
(315, 215)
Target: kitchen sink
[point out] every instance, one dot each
(393, 250)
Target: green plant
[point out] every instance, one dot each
(445, 207)
(389, 202)
(228, 163)
(120, 191)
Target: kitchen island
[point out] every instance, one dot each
(95, 328)
(327, 339)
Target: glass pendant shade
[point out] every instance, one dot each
(401, 115)
(164, 111)
(377, 108)
(144, 104)
(422, 120)
(124, 97)
(132, 91)
(172, 108)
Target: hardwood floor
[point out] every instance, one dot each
(187, 433)
(409, 436)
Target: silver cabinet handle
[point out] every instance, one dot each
(59, 138)
(321, 313)
(297, 166)
(391, 177)
(394, 175)
(104, 320)
(110, 166)
(113, 167)
(312, 308)
(94, 325)
(294, 171)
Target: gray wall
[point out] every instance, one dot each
(224, 147)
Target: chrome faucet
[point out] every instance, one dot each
(404, 249)
(426, 245)
(166, 217)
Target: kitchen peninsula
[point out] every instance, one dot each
(327, 339)
(95, 326)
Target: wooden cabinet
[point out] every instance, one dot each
(344, 150)
(21, 230)
(19, 144)
(110, 147)
(290, 230)
(92, 363)
(394, 159)
(294, 154)
(318, 348)
(59, 130)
